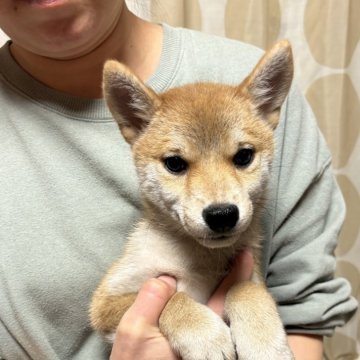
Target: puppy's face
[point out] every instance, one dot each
(204, 160)
(203, 151)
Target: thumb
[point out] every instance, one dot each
(151, 299)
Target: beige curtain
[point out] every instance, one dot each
(325, 38)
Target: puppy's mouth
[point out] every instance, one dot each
(218, 240)
(220, 237)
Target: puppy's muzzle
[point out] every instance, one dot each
(221, 218)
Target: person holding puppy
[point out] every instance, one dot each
(69, 195)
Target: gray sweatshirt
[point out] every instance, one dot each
(69, 197)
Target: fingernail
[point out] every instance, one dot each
(169, 280)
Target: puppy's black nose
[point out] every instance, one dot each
(221, 217)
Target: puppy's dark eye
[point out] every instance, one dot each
(175, 164)
(243, 157)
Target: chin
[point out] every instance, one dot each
(64, 32)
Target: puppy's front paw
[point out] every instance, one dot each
(195, 332)
(209, 339)
(260, 346)
(255, 325)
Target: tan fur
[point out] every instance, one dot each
(205, 124)
(191, 318)
(257, 315)
(109, 310)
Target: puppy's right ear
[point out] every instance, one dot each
(130, 101)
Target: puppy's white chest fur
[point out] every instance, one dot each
(150, 253)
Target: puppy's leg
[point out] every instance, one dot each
(107, 310)
(255, 324)
(194, 331)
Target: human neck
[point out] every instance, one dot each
(133, 41)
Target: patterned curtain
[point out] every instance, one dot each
(325, 37)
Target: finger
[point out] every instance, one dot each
(244, 265)
(151, 300)
(216, 301)
(242, 270)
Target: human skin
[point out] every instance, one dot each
(64, 44)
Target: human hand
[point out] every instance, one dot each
(138, 335)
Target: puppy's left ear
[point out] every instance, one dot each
(130, 101)
(268, 84)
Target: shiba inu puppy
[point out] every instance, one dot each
(203, 154)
